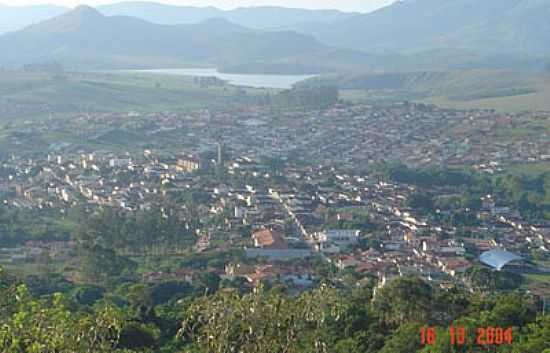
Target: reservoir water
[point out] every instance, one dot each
(249, 80)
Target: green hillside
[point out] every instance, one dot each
(28, 94)
(493, 89)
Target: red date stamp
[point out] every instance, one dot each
(459, 336)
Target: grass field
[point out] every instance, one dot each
(544, 278)
(31, 95)
(528, 92)
(538, 283)
(537, 101)
(34, 95)
(479, 89)
(28, 97)
(530, 168)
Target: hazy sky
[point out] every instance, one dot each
(346, 5)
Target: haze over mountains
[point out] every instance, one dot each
(264, 17)
(17, 17)
(85, 38)
(511, 26)
(408, 35)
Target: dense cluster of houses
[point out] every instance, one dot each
(320, 210)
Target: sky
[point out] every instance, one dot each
(344, 5)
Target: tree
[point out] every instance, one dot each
(39, 326)
(138, 336)
(486, 279)
(209, 281)
(100, 264)
(512, 310)
(163, 292)
(404, 340)
(407, 299)
(421, 201)
(261, 322)
(48, 284)
(532, 338)
(88, 294)
(471, 201)
(8, 288)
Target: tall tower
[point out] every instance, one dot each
(220, 154)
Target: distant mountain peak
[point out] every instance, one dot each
(85, 10)
(72, 20)
(84, 38)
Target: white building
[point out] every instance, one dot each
(340, 237)
(119, 162)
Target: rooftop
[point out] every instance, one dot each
(498, 258)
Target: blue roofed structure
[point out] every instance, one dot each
(498, 258)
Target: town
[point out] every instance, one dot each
(288, 189)
(230, 176)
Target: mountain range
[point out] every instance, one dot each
(85, 39)
(492, 26)
(262, 17)
(409, 35)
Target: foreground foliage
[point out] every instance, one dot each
(262, 321)
(38, 326)
(227, 318)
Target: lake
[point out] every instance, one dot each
(249, 80)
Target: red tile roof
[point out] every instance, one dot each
(267, 238)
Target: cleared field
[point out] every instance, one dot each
(27, 95)
(537, 101)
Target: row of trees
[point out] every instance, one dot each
(320, 97)
(157, 231)
(20, 225)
